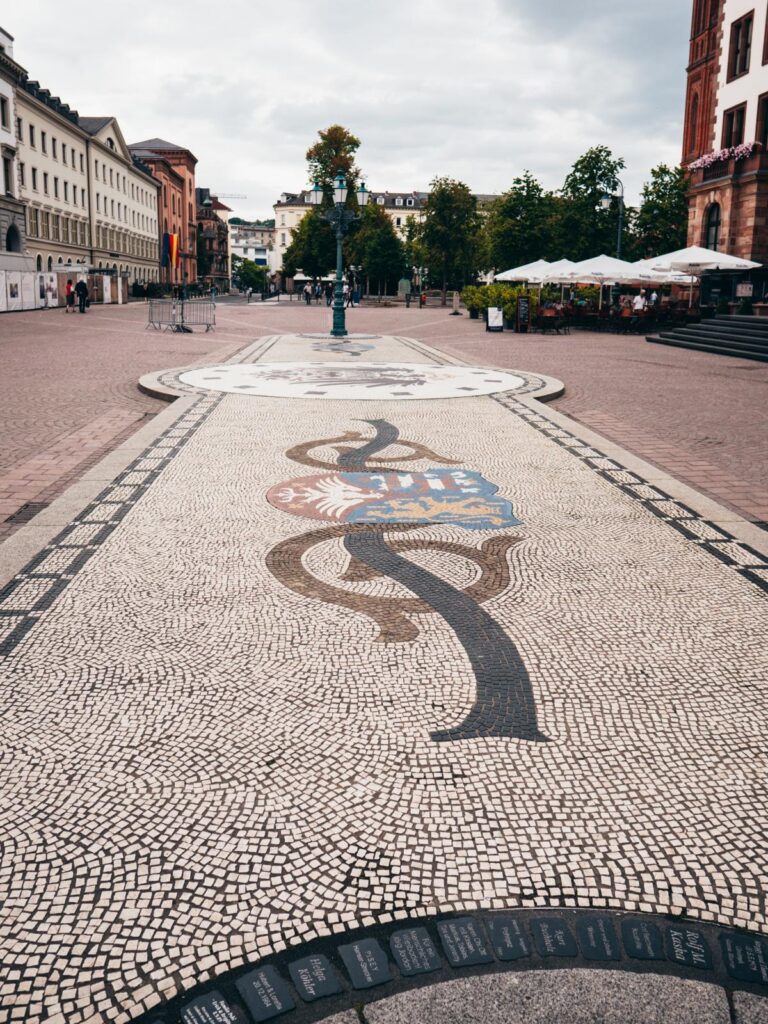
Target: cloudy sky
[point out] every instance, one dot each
(475, 89)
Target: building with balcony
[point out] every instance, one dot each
(725, 142)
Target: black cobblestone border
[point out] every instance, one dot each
(317, 979)
(18, 614)
(709, 536)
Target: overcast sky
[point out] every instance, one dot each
(475, 89)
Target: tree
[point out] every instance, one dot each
(521, 225)
(449, 233)
(583, 228)
(333, 152)
(312, 248)
(247, 274)
(662, 220)
(375, 245)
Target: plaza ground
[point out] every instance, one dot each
(358, 684)
(68, 390)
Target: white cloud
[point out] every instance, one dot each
(478, 91)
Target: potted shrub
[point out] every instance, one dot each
(472, 299)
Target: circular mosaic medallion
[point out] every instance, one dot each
(354, 381)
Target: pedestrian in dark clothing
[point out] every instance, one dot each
(328, 293)
(81, 290)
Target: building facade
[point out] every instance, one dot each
(124, 204)
(157, 153)
(725, 141)
(252, 242)
(212, 240)
(13, 242)
(53, 178)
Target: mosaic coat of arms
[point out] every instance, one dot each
(373, 508)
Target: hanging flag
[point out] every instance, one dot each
(174, 250)
(165, 257)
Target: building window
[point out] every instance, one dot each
(379, 200)
(98, 202)
(409, 202)
(54, 149)
(399, 201)
(7, 176)
(5, 116)
(397, 221)
(13, 239)
(19, 129)
(34, 178)
(693, 124)
(55, 227)
(82, 164)
(33, 222)
(22, 176)
(762, 121)
(66, 191)
(45, 182)
(712, 240)
(82, 197)
(56, 187)
(741, 46)
(45, 224)
(32, 136)
(44, 142)
(733, 125)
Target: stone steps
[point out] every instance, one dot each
(744, 337)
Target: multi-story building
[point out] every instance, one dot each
(212, 240)
(171, 203)
(252, 241)
(157, 154)
(13, 242)
(725, 141)
(53, 178)
(124, 204)
(292, 206)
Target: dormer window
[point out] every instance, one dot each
(111, 143)
(380, 200)
(409, 202)
(399, 201)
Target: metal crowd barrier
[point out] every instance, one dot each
(181, 315)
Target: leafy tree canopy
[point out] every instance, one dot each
(450, 233)
(662, 221)
(375, 246)
(521, 225)
(248, 274)
(583, 229)
(333, 152)
(312, 248)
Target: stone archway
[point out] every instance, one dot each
(13, 239)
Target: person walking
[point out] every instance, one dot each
(318, 293)
(81, 290)
(347, 294)
(328, 293)
(307, 292)
(70, 297)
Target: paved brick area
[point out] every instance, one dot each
(68, 390)
(317, 663)
(702, 417)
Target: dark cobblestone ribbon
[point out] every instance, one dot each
(504, 704)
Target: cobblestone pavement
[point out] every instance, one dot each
(68, 391)
(319, 663)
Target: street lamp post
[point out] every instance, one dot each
(606, 205)
(341, 219)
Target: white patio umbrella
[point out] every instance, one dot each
(558, 273)
(695, 260)
(532, 273)
(600, 270)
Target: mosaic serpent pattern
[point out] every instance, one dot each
(369, 505)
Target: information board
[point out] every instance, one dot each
(495, 319)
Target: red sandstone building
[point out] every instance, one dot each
(725, 142)
(174, 168)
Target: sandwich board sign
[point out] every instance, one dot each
(495, 319)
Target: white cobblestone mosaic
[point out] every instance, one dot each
(230, 726)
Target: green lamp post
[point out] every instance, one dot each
(340, 218)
